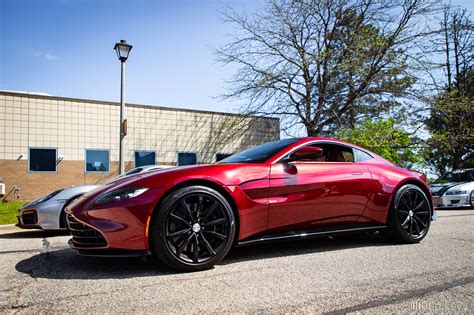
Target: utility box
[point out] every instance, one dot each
(2, 189)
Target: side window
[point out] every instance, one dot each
(187, 158)
(42, 160)
(361, 156)
(336, 153)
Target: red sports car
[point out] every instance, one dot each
(189, 217)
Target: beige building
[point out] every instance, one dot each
(48, 142)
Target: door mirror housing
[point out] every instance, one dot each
(305, 153)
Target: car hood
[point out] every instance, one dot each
(222, 174)
(80, 189)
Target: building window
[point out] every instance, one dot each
(42, 160)
(187, 158)
(97, 161)
(143, 158)
(221, 156)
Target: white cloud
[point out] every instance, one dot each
(50, 56)
(47, 56)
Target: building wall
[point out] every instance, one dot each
(73, 125)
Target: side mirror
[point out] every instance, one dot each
(305, 153)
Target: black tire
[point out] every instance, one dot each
(409, 217)
(62, 216)
(193, 229)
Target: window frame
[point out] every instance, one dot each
(135, 157)
(185, 152)
(55, 161)
(85, 160)
(282, 158)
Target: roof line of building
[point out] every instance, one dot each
(50, 97)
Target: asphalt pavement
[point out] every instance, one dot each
(349, 274)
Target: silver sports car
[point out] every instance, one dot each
(454, 189)
(47, 212)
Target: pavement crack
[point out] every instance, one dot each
(395, 298)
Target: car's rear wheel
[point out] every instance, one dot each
(193, 229)
(409, 218)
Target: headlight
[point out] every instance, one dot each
(456, 192)
(121, 194)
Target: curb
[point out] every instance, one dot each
(7, 226)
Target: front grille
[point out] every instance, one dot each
(83, 235)
(29, 217)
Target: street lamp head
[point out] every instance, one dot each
(122, 49)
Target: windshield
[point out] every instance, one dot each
(261, 153)
(51, 195)
(457, 176)
(132, 171)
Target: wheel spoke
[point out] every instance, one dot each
(405, 203)
(423, 212)
(414, 200)
(183, 245)
(406, 220)
(177, 218)
(208, 246)
(209, 211)
(215, 234)
(185, 206)
(196, 249)
(199, 206)
(177, 234)
(416, 226)
(419, 221)
(410, 199)
(418, 207)
(216, 222)
(411, 226)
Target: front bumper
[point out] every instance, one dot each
(28, 219)
(452, 201)
(115, 229)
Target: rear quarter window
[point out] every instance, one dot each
(361, 156)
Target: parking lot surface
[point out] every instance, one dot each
(360, 274)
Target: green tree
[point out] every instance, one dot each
(386, 139)
(451, 123)
(324, 64)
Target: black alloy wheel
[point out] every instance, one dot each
(195, 229)
(409, 218)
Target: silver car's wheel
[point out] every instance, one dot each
(62, 216)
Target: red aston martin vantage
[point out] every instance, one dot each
(189, 217)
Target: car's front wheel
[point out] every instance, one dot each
(410, 215)
(193, 229)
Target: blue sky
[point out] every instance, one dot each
(64, 47)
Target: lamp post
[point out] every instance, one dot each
(123, 49)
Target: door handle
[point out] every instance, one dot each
(356, 173)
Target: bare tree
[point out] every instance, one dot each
(323, 64)
(451, 120)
